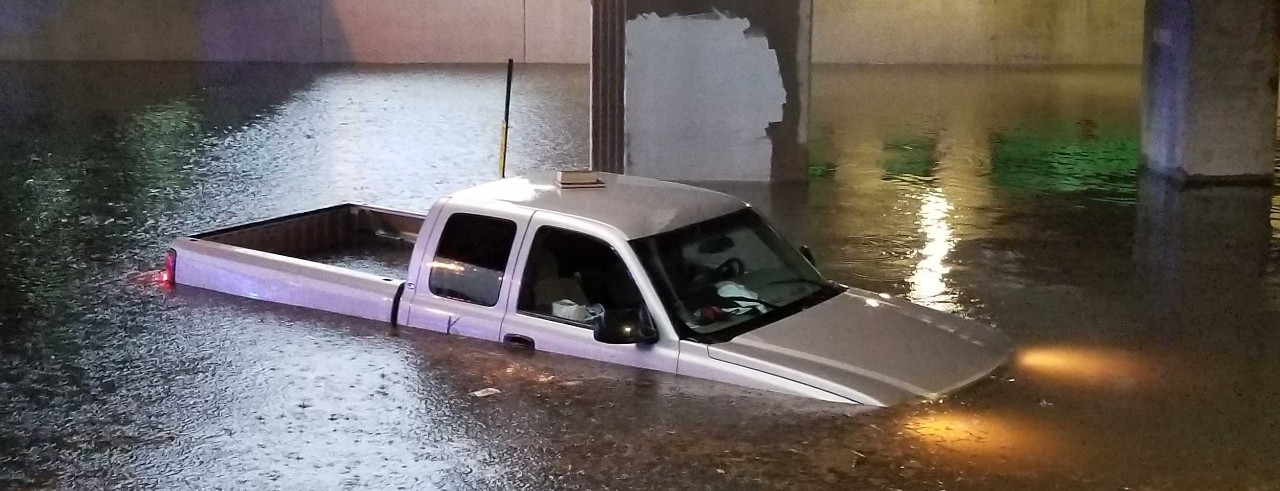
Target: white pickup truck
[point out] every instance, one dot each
(633, 271)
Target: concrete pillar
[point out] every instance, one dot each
(702, 90)
(1209, 106)
(608, 50)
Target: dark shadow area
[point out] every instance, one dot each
(292, 31)
(93, 150)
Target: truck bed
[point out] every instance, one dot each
(350, 259)
(324, 232)
(371, 254)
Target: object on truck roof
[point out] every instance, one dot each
(578, 179)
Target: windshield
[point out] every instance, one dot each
(728, 275)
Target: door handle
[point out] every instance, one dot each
(519, 341)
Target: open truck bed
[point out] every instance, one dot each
(282, 259)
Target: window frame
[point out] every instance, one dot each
(519, 293)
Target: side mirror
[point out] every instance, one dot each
(808, 254)
(631, 326)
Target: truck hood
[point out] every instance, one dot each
(872, 349)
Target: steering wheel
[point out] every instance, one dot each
(731, 268)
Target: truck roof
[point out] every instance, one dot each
(636, 206)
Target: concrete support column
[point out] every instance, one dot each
(608, 50)
(701, 90)
(1209, 112)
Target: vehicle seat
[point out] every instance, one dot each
(549, 287)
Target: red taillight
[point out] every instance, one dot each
(170, 265)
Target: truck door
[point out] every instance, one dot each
(571, 275)
(460, 283)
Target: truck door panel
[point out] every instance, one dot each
(460, 287)
(566, 279)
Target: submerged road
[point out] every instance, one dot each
(1146, 316)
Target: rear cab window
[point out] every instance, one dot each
(471, 258)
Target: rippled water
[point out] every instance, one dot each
(1010, 196)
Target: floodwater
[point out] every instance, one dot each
(1146, 315)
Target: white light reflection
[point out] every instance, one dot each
(514, 189)
(928, 283)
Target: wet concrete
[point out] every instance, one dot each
(1146, 314)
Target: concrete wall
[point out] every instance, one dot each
(558, 31)
(373, 31)
(995, 32)
(547, 31)
(130, 30)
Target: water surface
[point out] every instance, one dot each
(1008, 196)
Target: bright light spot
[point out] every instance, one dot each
(449, 266)
(873, 303)
(990, 435)
(515, 189)
(157, 279)
(1096, 366)
(928, 285)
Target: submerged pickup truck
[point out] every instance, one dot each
(628, 270)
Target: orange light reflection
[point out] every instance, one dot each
(985, 435)
(1093, 366)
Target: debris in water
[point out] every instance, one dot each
(486, 392)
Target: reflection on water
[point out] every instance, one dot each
(982, 436)
(1100, 367)
(927, 283)
(1009, 196)
(1066, 163)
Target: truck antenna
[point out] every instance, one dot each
(506, 119)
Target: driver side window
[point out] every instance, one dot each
(578, 279)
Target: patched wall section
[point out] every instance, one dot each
(701, 93)
(712, 90)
